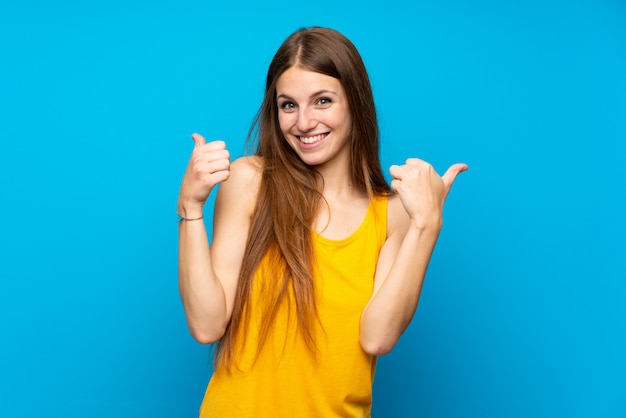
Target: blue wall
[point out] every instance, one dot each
(523, 313)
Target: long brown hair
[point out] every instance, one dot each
(289, 192)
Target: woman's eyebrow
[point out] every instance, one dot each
(317, 93)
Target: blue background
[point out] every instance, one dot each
(524, 310)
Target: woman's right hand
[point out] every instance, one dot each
(209, 165)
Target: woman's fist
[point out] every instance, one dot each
(209, 165)
(421, 190)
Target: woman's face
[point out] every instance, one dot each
(314, 116)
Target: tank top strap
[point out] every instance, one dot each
(378, 208)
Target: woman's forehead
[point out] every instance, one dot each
(301, 82)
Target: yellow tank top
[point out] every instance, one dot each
(288, 379)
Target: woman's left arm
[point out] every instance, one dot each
(414, 222)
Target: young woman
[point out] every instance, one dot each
(316, 264)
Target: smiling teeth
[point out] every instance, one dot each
(311, 139)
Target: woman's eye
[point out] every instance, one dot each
(323, 101)
(287, 106)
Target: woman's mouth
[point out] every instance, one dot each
(311, 139)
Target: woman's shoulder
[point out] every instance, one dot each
(246, 169)
(242, 187)
(397, 217)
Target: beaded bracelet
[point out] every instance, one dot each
(180, 218)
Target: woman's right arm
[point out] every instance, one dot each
(207, 276)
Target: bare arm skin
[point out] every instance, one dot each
(207, 276)
(414, 221)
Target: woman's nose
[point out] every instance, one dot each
(306, 120)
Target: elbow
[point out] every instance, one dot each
(204, 338)
(377, 347)
(207, 336)
(377, 340)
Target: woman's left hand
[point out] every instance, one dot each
(421, 190)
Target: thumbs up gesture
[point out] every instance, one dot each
(422, 191)
(209, 165)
